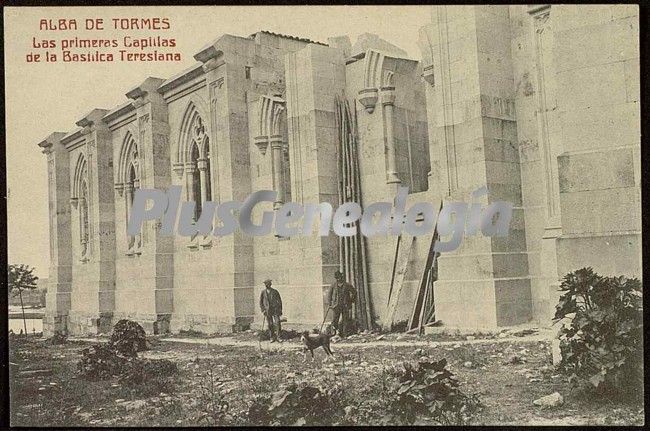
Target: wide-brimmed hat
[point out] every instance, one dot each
(338, 274)
(267, 281)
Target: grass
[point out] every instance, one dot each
(507, 391)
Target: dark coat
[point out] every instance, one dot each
(271, 302)
(341, 295)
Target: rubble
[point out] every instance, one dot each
(553, 400)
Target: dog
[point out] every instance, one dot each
(312, 342)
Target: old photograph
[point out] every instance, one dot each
(324, 215)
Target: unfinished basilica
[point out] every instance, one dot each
(539, 103)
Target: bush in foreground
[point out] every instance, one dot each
(427, 390)
(602, 334)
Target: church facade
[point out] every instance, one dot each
(538, 103)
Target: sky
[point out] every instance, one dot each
(45, 97)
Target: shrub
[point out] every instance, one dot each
(426, 389)
(129, 338)
(211, 399)
(299, 405)
(100, 362)
(602, 343)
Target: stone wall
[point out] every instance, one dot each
(532, 102)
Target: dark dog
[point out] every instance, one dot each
(314, 341)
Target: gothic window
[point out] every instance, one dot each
(193, 165)
(129, 179)
(81, 202)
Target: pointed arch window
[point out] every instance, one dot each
(194, 160)
(129, 180)
(81, 202)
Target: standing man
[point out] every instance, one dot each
(271, 306)
(342, 297)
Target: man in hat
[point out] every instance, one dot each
(271, 305)
(342, 296)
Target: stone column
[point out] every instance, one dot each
(485, 283)
(276, 149)
(59, 282)
(202, 165)
(128, 196)
(388, 103)
(155, 251)
(189, 179)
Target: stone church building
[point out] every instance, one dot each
(538, 103)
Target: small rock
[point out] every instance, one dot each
(290, 375)
(534, 380)
(364, 364)
(503, 335)
(381, 337)
(134, 405)
(457, 345)
(468, 364)
(470, 338)
(552, 400)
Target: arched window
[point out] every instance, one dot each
(129, 179)
(198, 171)
(194, 161)
(81, 202)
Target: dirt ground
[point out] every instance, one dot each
(58, 396)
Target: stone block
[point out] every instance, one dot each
(613, 210)
(600, 126)
(591, 86)
(608, 254)
(596, 170)
(589, 46)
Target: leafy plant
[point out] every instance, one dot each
(129, 338)
(601, 337)
(211, 402)
(299, 405)
(426, 389)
